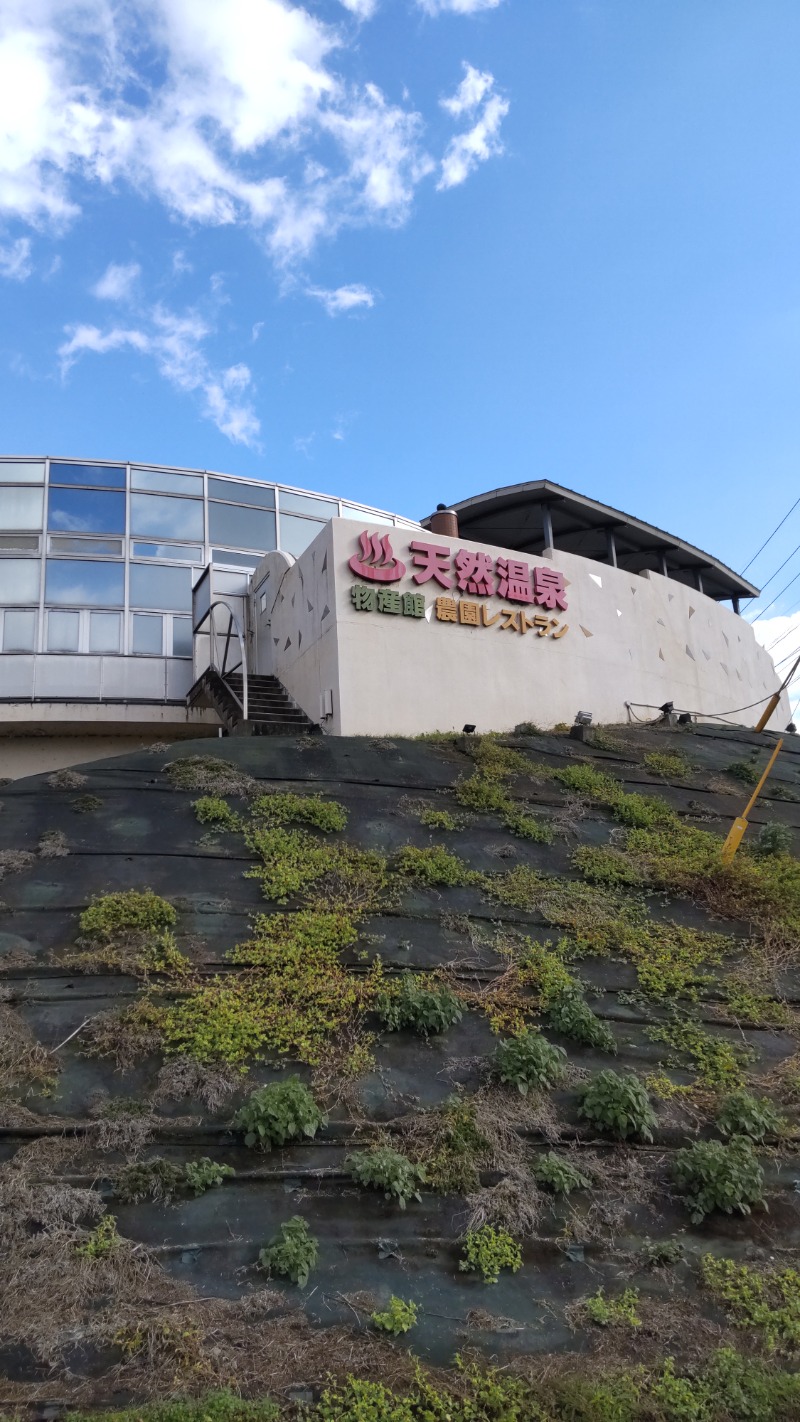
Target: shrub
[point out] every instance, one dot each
(284, 1111)
(488, 1250)
(213, 810)
(148, 1180)
(398, 1317)
(713, 1176)
(618, 1104)
(419, 1004)
(383, 1168)
(292, 1252)
(206, 1174)
(774, 839)
(529, 1060)
(131, 911)
(610, 1313)
(742, 1114)
(102, 1241)
(560, 1175)
(570, 1014)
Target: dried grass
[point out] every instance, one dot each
(13, 861)
(66, 780)
(212, 1085)
(53, 845)
(515, 1204)
(210, 775)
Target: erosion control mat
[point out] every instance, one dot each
(325, 1057)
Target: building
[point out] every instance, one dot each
(144, 603)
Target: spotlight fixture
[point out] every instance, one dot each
(583, 718)
(685, 718)
(469, 730)
(792, 729)
(667, 707)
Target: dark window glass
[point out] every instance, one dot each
(162, 481)
(86, 511)
(108, 477)
(147, 635)
(181, 636)
(86, 547)
(262, 495)
(248, 528)
(235, 560)
(302, 504)
(159, 516)
(75, 582)
(173, 552)
(297, 533)
(156, 586)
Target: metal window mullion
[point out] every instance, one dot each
(127, 628)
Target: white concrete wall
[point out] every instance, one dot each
(294, 634)
(630, 639)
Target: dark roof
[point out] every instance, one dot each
(513, 517)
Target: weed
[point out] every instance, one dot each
(284, 1111)
(383, 1168)
(745, 770)
(619, 1105)
(102, 1241)
(672, 765)
(768, 1300)
(53, 845)
(213, 810)
(87, 804)
(481, 793)
(662, 1253)
(418, 1003)
(716, 1063)
(560, 1175)
(131, 911)
(611, 1313)
(148, 1180)
(434, 866)
(66, 780)
(457, 1146)
(206, 1174)
(774, 839)
(529, 1061)
(488, 1250)
(570, 1014)
(742, 1114)
(440, 819)
(210, 775)
(13, 861)
(398, 1317)
(526, 826)
(284, 807)
(292, 1252)
(713, 1176)
(602, 864)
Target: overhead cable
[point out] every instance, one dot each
(775, 574)
(772, 535)
(776, 598)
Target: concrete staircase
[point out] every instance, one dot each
(270, 709)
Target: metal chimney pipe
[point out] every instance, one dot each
(444, 522)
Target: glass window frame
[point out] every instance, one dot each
(11, 612)
(30, 489)
(116, 485)
(65, 612)
(153, 565)
(56, 491)
(82, 563)
(148, 617)
(157, 536)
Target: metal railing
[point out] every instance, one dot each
(222, 665)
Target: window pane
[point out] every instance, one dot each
(262, 495)
(104, 629)
(99, 547)
(235, 560)
(301, 503)
(79, 583)
(110, 477)
(174, 552)
(248, 528)
(19, 631)
(21, 508)
(297, 533)
(17, 472)
(18, 541)
(363, 515)
(19, 580)
(165, 517)
(147, 635)
(62, 631)
(86, 511)
(165, 482)
(154, 586)
(181, 636)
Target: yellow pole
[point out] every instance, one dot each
(737, 829)
(773, 700)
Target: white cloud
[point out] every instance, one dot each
(343, 298)
(226, 113)
(362, 9)
(175, 343)
(781, 637)
(15, 260)
(481, 141)
(117, 282)
(457, 7)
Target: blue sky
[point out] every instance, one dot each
(404, 250)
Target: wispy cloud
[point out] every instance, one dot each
(781, 637)
(117, 282)
(457, 7)
(175, 343)
(362, 9)
(343, 298)
(15, 260)
(474, 97)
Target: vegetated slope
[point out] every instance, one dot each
(469, 1043)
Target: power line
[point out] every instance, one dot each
(775, 599)
(775, 574)
(772, 535)
(787, 633)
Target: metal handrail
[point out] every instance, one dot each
(233, 625)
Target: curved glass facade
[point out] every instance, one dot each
(98, 560)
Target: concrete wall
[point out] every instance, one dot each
(630, 639)
(293, 631)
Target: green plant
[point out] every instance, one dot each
(131, 911)
(619, 1105)
(488, 1250)
(529, 1061)
(222, 1406)
(481, 793)
(213, 810)
(434, 866)
(284, 807)
(206, 1174)
(713, 1176)
(457, 1149)
(766, 1299)
(526, 826)
(610, 1313)
(570, 1014)
(559, 1174)
(148, 1180)
(670, 764)
(603, 864)
(420, 1004)
(102, 1241)
(398, 1317)
(662, 1252)
(745, 770)
(774, 839)
(383, 1168)
(742, 1114)
(291, 1253)
(284, 1111)
(87, 804)
(440, 819)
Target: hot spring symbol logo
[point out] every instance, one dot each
(377, 561)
